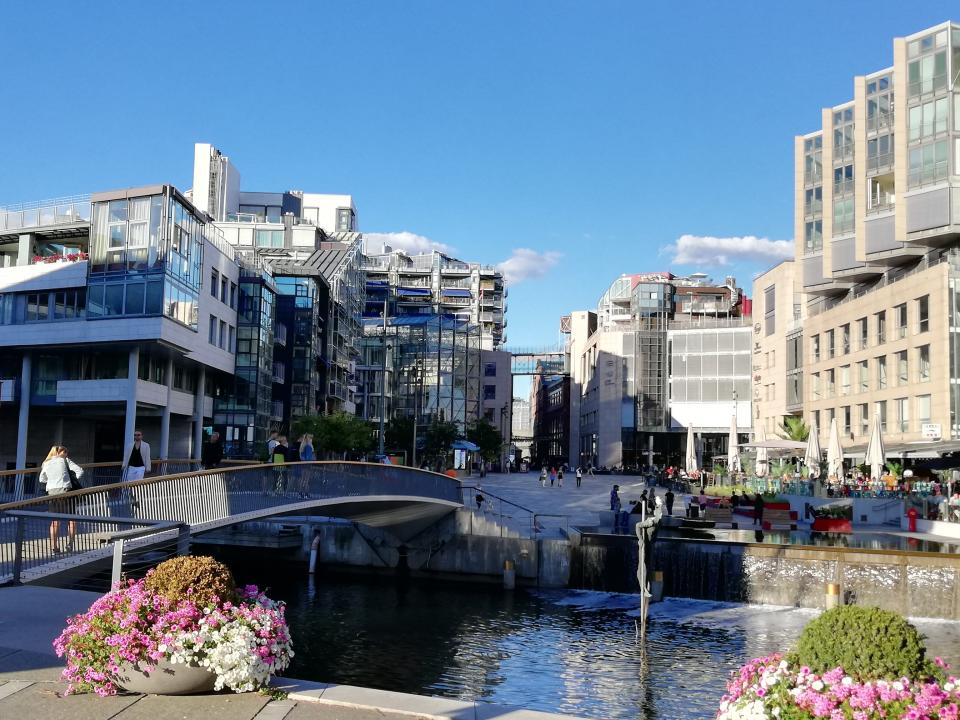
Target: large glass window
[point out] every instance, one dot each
(923, 314)
(927, 74)
(900, 315)
(903, 368)
(923, 363)
(830, 346)
(881, 327)
(903, 414)
(880, 407)
(862, 334)
(815, 348)
(863, 376)
(831, 383)
(845, 380)
(923, 408)
(929, 119)
(770, 310)
(845, 338)
(864, 418)
(881, 363)
(928, 163)
(813, 235)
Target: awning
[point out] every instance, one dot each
(456, 293)
(378, 283)
(417, 292)
(464, 445)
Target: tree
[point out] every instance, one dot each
(483, 434)
(794, 428)
(439, 437)
(398, 436)
(337, 434)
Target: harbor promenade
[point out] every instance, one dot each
(31, 689)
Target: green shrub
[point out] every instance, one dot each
(200, 579)
(867, 642)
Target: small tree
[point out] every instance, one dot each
(398, 435)
(485, 436)
(337, 434)
(439, 437)
(794, 428)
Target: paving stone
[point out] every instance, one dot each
(44, 701)
(26, 665)
(323, 711)
(219, 706)
(422, 705)
(276, 710)
(11, 686)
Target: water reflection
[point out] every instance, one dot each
(564, 651)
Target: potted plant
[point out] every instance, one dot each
(851, 662)
(836, 518)
(184, 628)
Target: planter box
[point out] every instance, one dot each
(834, 525)
(167, 679)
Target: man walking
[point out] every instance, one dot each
(615, 507)
(212, 454)
(669, 498)
(136, 459)
(579, 475)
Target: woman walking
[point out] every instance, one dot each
(55, 476)
(560, 477)
(306, 455)
(543, 476)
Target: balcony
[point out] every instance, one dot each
(279, 373)
(280, 335)
(276, 410)
(45, 214)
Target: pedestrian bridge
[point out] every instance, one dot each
(170, 508)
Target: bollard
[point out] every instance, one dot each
(656, 586)
(509, 575)
(833, 595)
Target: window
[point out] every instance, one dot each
(813, 235)
(929, 119)
(903, 368)
(233, 295)
(843, 215)
(862, 334)
(863, 376)
(224, 284)
(771, 358)
(845, 380)
(489, 369)
(816, 421)
(880, 408)
(212, 337)
(881, 372)
(813, 201)
(831, 383)
(900, 316)
(864, 413)
(222, 340)
(815, 386)
(214, 282)
(815, 348)
(845, 338)
(923, 408)
(923, 314)
(269, 238)
(923, 363)
(926, 74)
(846, 416)
(903, 414)
(830, 348)
(881, 327)
(232, 347)
(770, 310)
(828, 415)
(927, 164)
(489, 392)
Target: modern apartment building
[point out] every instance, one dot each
(309, 236)
(108, 323)
(877, 208)
(676, 354)
(437, 284)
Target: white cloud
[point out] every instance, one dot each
(707, 250)
(408, 242)
(527, 264)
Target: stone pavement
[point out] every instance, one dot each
(30, 688)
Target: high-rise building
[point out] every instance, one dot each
(435, 283)
(877, 221)
(660, 354)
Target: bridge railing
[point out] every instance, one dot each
(205, 499)
(24, 483)
(27, 546)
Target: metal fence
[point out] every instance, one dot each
(511, 516)
(199, 500)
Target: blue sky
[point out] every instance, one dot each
(580, 139)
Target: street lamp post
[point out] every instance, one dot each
(383, 378)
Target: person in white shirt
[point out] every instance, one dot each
(55, 477)
(136, 458)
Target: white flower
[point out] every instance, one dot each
(817, 685)
(898, 686)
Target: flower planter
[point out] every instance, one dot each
(166, 679)
(833, 525)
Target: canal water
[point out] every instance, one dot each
(563, 651)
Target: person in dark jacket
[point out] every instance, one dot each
(669, 501)
(758, 510)
(212, 454)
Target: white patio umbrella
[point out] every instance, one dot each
(763, 465)
(691, 451)
(733, 452)
(875, 455)
(812, 456)
(834, 452)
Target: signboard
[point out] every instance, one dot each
(930, 431)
